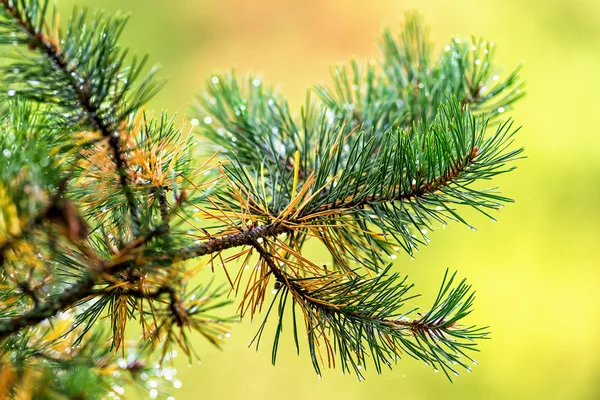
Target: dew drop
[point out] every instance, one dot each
(501, 109)
(215, 79)
(195, 122)
(256, 82)
(153, 393)
(177, 384)
(12, 92)
(208, 120)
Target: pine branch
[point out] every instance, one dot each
(391, 150)
(52, 306)
(358, 320)
(29, 17)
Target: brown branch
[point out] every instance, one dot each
(244, 238)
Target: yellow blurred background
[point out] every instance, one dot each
(536, 271)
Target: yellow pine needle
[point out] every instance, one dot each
(296, 171)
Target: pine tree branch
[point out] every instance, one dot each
(244, 238)
(53, 305)
(360, 319)
(78, 85)
(79, 290)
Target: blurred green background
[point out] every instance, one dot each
(536, 271)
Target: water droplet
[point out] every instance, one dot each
(473, 228)
(256, 82)
(424, 231)
(207, 120)
(177, 384)
(501, 109)
(215, 79)
(393, 256)
(12, 92)
(153, 393)
(195, 122)
(436, 370)
(228, 335)
(7, 153)
(475, 362)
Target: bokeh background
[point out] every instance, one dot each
(536, 271)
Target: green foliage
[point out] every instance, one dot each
(102, 204)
